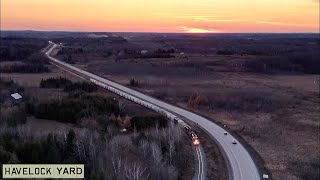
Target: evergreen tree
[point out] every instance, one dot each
(70, 155)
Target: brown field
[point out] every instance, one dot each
(33, 80)
(264, 87)
(280, 123)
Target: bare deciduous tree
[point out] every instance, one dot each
(171, 150)
(92, 149)
(121, 141)
(135, 172)
(156, 154)
(117, 166)
(143, 147)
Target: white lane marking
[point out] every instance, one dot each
(200, 163)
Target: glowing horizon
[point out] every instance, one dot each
(192, 16)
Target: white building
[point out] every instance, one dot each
(16, 96)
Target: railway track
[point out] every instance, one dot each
(200, 175)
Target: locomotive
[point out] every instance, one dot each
(193, 136)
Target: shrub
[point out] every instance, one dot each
(197, 99)
(134, 83)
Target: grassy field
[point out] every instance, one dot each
(277, 115)
(275, 111)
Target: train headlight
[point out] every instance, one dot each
(196, 142)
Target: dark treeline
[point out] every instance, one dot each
(24, 68)
(37, 58)
(225, 52)
(26, 50)
(72, 109)
(164, 51)
(83, 86)
(67, 85)
(157, 55)
(132, 53)
(55, 83)
(15, 52)
(294, 62)
(14, 48)
(144, 122)
(69, 50)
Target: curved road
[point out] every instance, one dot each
(241, 164)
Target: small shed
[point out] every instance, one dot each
(16, 98)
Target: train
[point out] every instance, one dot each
(192, 135)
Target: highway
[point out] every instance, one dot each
(240, 163)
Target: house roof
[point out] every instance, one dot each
(16, 96)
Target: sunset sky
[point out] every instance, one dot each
(161, 15)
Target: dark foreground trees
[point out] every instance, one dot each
(72, 109)
(52, 149)
(154, 154)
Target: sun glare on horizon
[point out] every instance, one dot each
(197, 30)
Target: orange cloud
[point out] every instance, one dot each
(284, 24)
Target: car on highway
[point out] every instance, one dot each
(225, 133)
(234, 141)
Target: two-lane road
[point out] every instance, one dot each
(241, 164)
